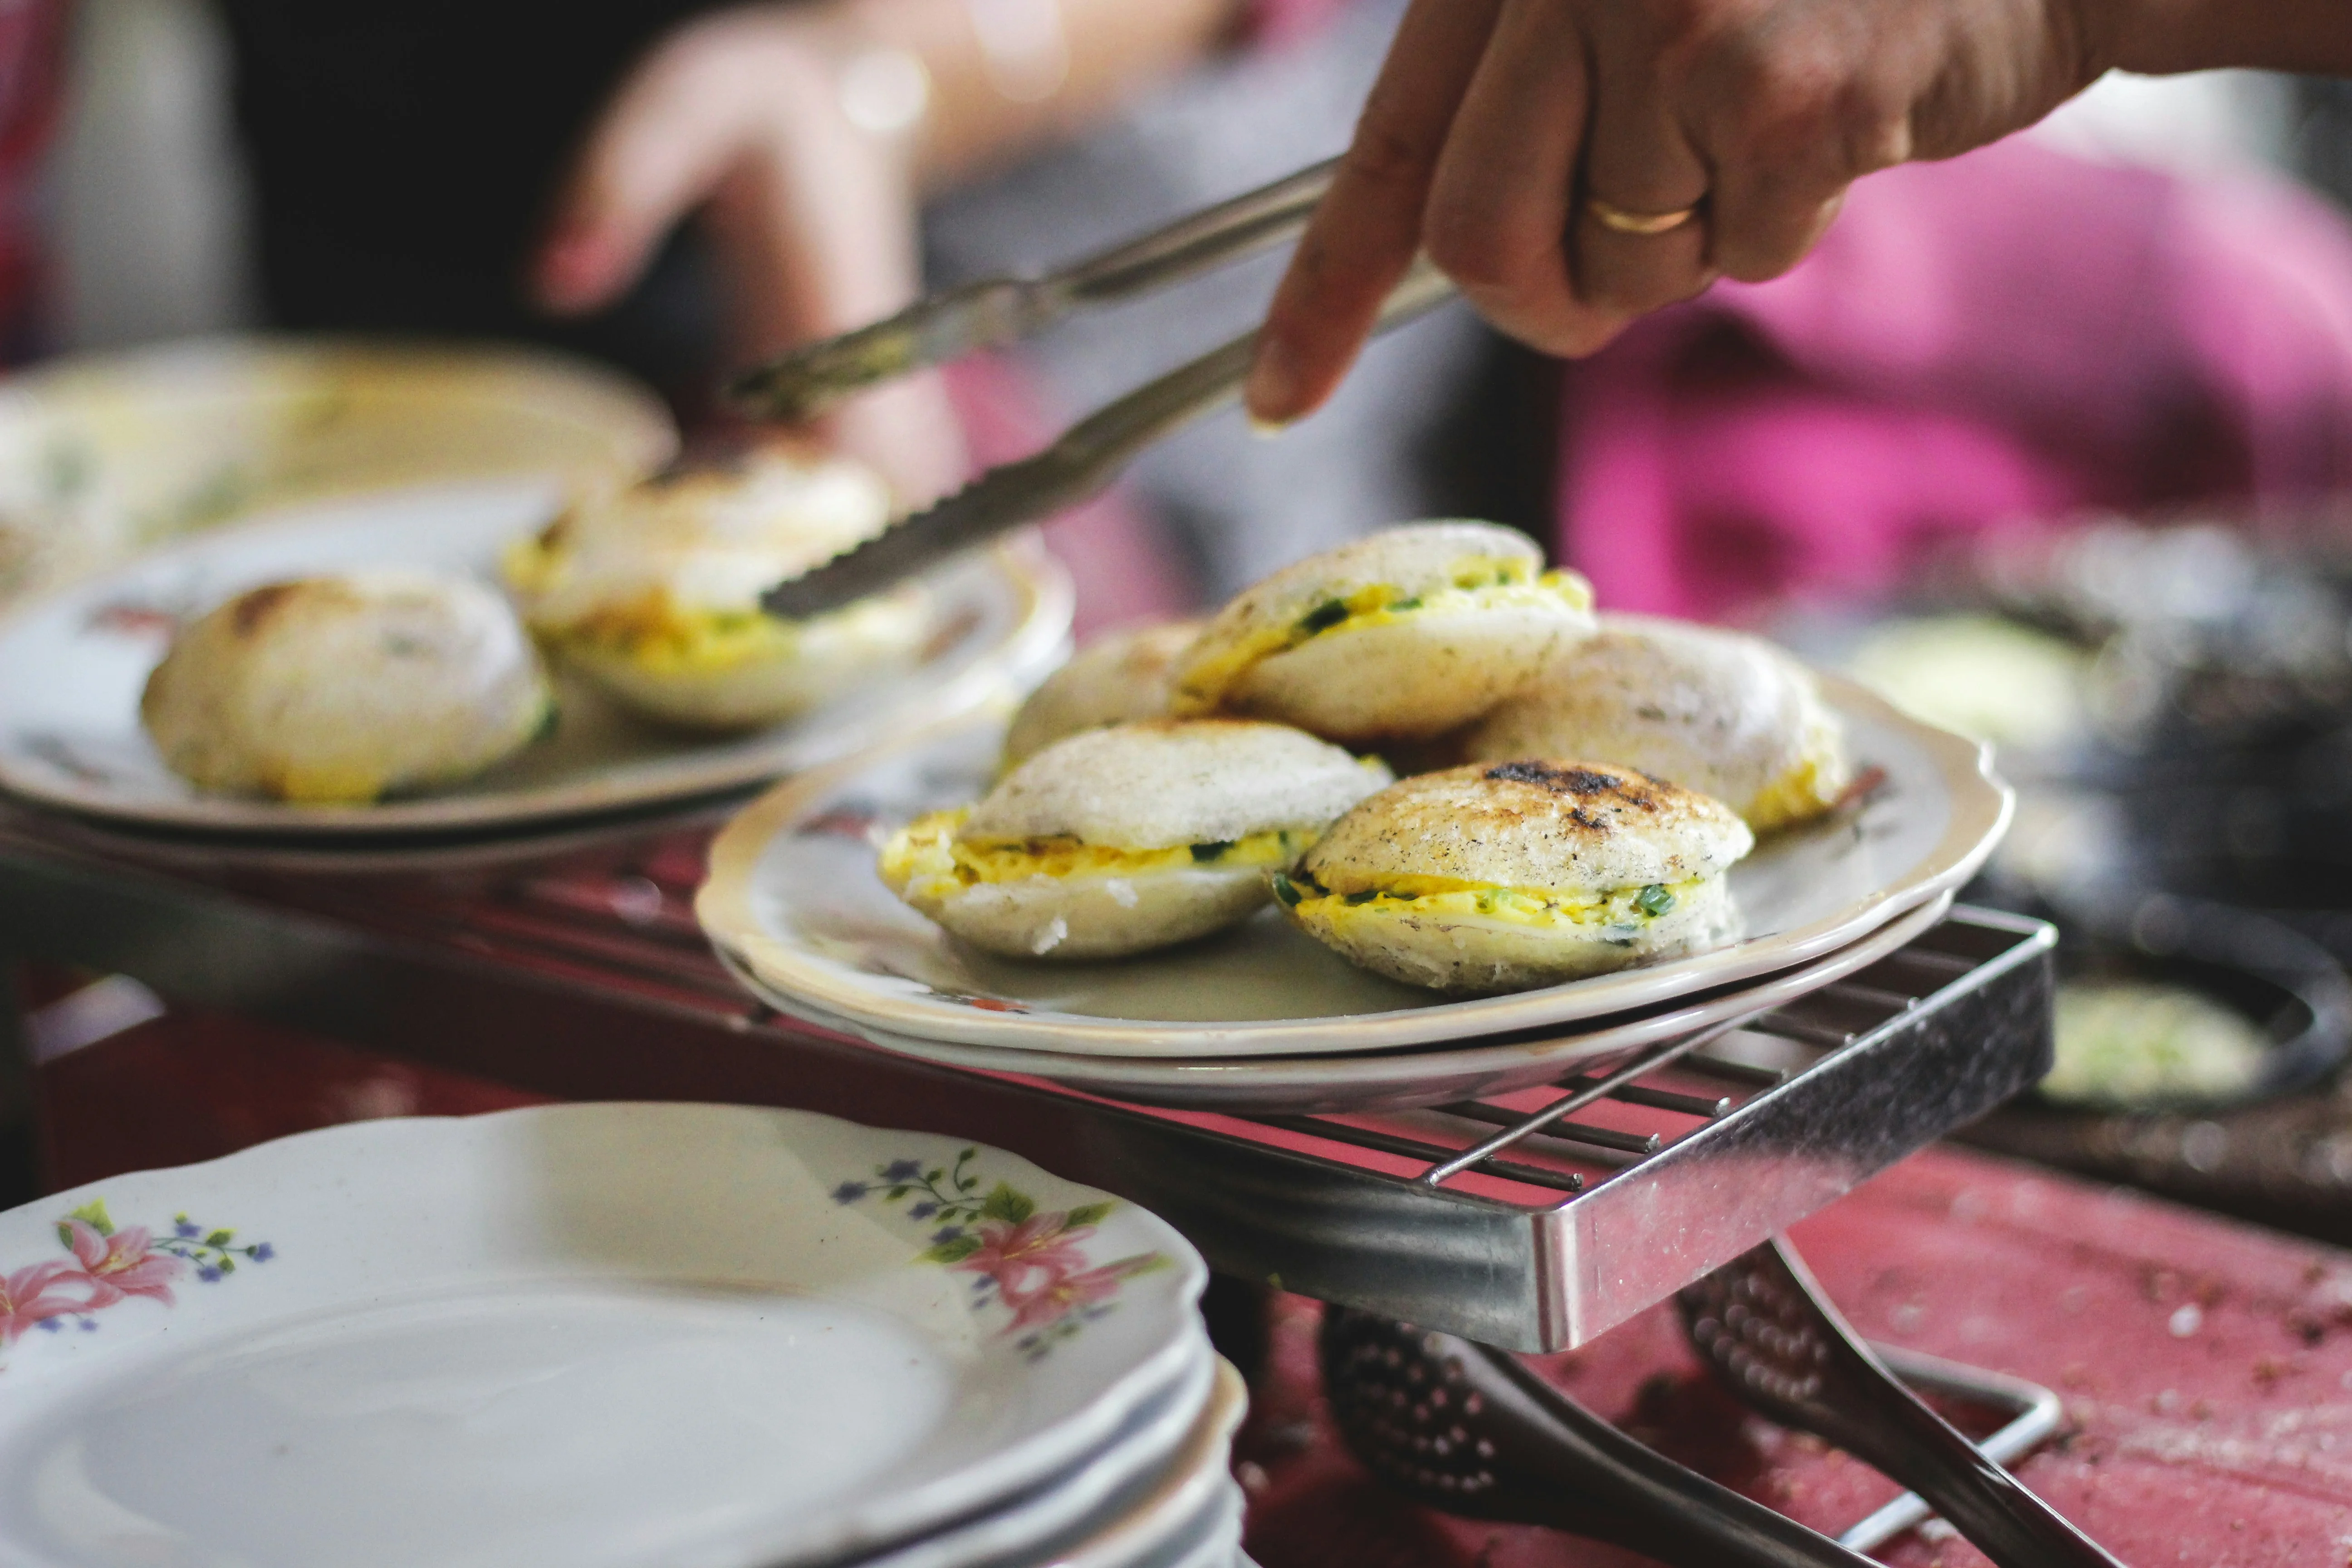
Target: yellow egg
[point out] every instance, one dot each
(1632, 909)
(925, 858)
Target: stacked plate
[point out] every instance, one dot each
(691, 1336)
(1263, 1018)
(140, 489)
(72, 666)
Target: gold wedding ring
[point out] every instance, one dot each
(1610, 215)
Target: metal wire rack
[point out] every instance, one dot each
(1533, 1220)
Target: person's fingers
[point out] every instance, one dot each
(1367, 229)
(1787, 137)
(1498, 215)
(655, 152)
(1630, 255)
(1763, 222)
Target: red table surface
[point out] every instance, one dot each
(2206, 1365)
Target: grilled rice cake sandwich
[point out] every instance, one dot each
(337, 689)
(1399, 637)
(1118, 677)
(1500, 876)
(1720, 713)
(1122, 839)
(653, 593)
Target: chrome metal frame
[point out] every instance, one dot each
(1535, 1222)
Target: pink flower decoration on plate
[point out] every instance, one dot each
(123, 1264)
(109, 1266)
(1062, 1294)
(1034, 1263)
(1027, 1257)
(35, 1293)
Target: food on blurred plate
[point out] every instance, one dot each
(337, 689)
(653, 593)
(1498, 876)
(2128, 1044)
(1402, 636)
(1118, 677)
(1988, 678)
(1716, 711)
(1115, 841)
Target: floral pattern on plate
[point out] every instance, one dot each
(1029, 1262)
(105, 1265)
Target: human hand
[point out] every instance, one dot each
(738, 116)
(1504, 135)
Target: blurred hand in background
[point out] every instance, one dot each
(804, 135)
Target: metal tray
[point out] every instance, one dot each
(1535, 1222)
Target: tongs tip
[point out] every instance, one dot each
(808, 381)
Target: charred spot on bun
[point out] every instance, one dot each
(1503, 876)
(1717, 711)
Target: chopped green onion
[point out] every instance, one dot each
(1287, 890)
(1655, 900)
(1322, 617)
(1362, 898)
(1204, 853)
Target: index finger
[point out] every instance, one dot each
(1367, 228)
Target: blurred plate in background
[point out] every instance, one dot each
(72, 666)
(103, 455)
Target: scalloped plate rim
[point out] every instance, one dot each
(1981, 804)
(311, 1169)
(1043, 598)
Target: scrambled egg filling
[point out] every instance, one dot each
(351, 784)
(1476, 582)
(1437, 897)
(925, 859)
(653, 630)
(1804, 790)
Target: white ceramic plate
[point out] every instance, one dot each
(102, 454)
(1188, 1516)
(1211, 1539)
(1092, 1494)
(72, 666)
(1109, 1511)
(794, 899)
(691, 1336)
(1389, 1080)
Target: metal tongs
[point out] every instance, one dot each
(1000, 311)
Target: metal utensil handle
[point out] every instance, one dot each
(1921, 1449)
(1207, 239)
(998, 312)
(1119, 430)
(1653, 1505)
(2034, 1409)
(1073, 469)
(1984, 1502)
